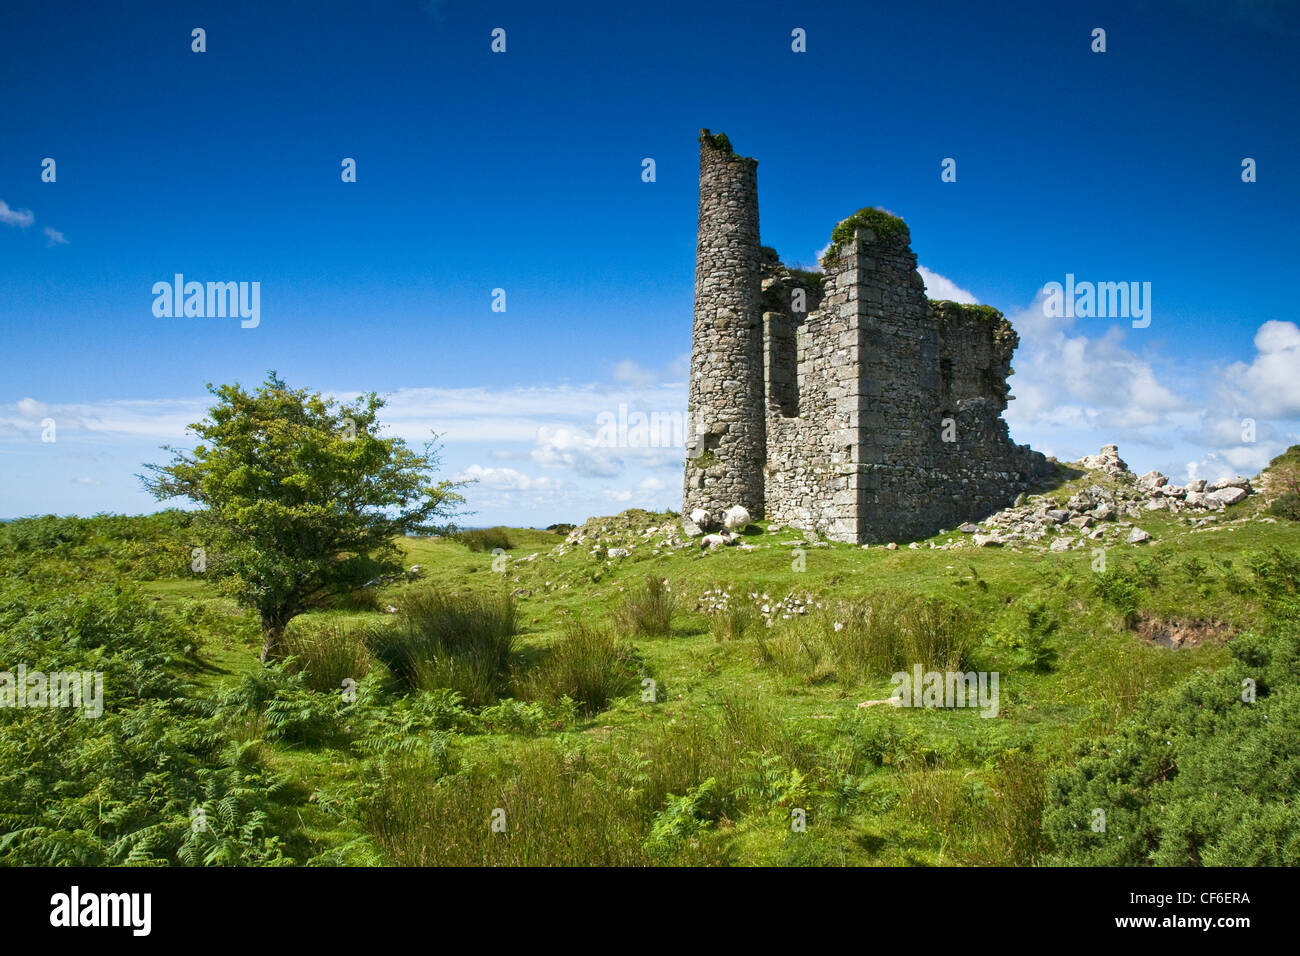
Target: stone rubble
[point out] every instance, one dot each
(1104, 511)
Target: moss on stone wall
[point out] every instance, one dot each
(717, 141)
(1004, 336)
(884, 225)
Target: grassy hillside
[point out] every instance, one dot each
(554, 704)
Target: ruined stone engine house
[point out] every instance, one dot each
(844, 402)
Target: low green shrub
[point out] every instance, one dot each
(485, 539)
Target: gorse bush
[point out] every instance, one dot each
(1199, 774)
(464, 642)
(485, 539)
(589, 664)
(649, 609)
(1284, 477)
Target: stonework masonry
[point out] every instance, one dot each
(844, 403)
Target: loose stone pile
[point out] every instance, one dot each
(720, 601)
(622, 535)
(1104, 511)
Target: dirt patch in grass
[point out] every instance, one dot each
(1176, 633)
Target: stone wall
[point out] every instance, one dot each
(879, 411)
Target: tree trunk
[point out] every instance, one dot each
(271, 643)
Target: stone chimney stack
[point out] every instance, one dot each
(726, 442)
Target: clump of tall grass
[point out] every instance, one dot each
(881, 634)
(986, 817)
(732, 622)
(485, 539)
(327, 651)
(464, 642)
(589, 664)
(542, 808)
(649, 609)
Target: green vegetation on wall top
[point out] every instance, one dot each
(717, 141)
(884, 225)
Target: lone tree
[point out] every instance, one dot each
(302, 498)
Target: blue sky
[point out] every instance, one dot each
(522, 170)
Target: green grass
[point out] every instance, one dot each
(755, 713)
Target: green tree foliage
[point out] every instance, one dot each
(302, 497)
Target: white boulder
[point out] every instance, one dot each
(1229, 495)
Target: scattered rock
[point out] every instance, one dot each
(1137, 536)
(988, 541)
(1228, 495)
(1108, 461)
(968, 528)
(1152, 480)
(1237, 482)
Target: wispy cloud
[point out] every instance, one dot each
(15, 217)
(54, 238)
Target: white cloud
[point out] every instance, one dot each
(576, 451)
(1093, 383)
(1076, 391)
(506, 479)
(32, 410)
(941, 287)
(54, 238)
(1270, 385)
(628, 372)
(15, 217)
